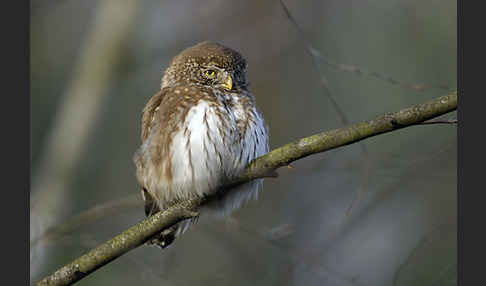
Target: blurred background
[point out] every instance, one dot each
(382, 212)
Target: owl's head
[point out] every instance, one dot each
(208, 64)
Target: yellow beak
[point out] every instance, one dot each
(228, 83)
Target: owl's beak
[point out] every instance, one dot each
(228, 83)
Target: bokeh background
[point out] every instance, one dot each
(94, 64)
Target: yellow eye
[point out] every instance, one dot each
(209, 73)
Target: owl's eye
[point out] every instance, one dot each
(209, 73)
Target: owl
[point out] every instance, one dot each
(199, 132)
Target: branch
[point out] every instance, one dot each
(120, 244)
(344, 136)
(261, 167)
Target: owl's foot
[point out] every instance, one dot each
(164, 238)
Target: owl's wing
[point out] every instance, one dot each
(151, 206)
(148, 113)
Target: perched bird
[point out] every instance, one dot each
(198, 132)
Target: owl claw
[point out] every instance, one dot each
(163, 239)
(195, 219)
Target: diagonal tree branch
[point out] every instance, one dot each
(261, 167)
(120, 244)
(344, 136)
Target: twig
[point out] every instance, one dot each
(291, 258)
(450, 121)
(94, 213)
(356, 69)
(389, 79)
(79, 109)
(426, 238)
(259, 168)
(315, 55)
(312, 52)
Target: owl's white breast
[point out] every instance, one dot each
(198, 153)
(206, 149)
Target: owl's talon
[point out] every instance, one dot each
(163, 239)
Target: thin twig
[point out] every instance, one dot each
(259, 168)
(389, 79)
(80, 108)
(356, 69)
(304, 261)
(94, 213)
(426, 238)
(315, 55)
(312, 52)
(450, 121)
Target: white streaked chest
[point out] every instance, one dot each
(207, 148)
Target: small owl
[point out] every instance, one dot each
(198, 132)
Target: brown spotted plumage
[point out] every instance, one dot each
(199, 131)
